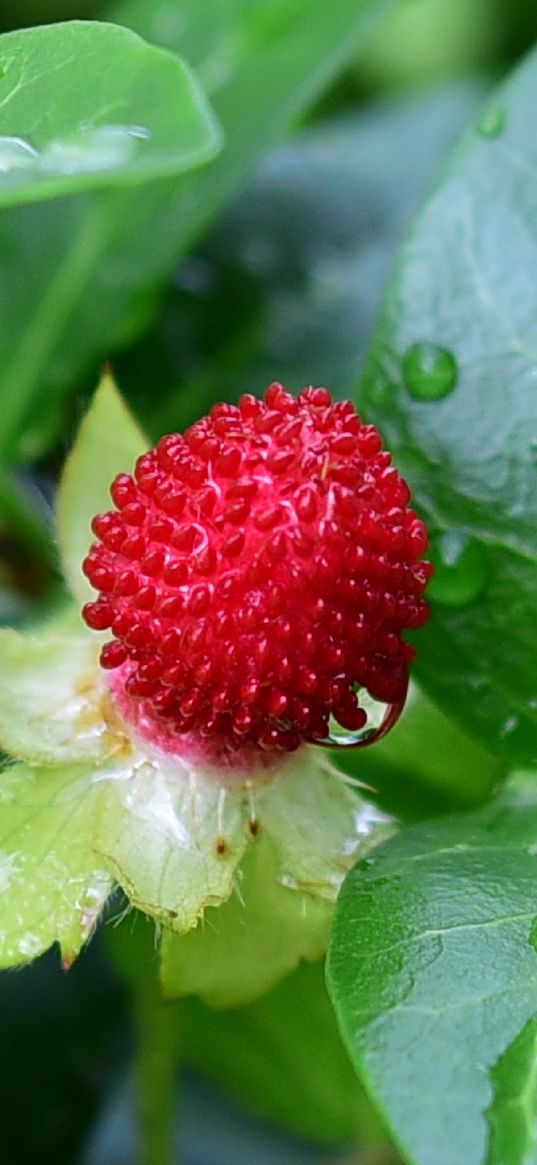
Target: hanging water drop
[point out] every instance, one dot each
(461, 572)
(429, 371)
(381, 718)
(491, 123)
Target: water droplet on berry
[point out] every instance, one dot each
(429, 371)
(461, 572)
(381, 718)
(492, 122)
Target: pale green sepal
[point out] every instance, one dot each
(49, 699)
(172, 838)
(318, 826)
(52, 887)
(108, 442)
(244, 947)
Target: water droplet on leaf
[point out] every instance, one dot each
(491, 123)
(29, 945)
(461, 570)
(429, 371)
(15, 154)
(103, 147)
(509, 726)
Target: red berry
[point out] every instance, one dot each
(256, 573)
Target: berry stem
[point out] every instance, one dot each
(156, 1073)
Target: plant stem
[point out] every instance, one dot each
(156, 1079)
(24, 520)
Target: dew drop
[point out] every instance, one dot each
(492, 122)
(16, 154)
(381, 718)
(429, 371)
(461, 573)
(509, 726)
(102, 147)
(30, 945)
(10, 865)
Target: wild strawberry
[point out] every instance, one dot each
(256, 574)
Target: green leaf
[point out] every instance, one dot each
(317, 825)
(433, 973)
(49, 703)
(451, 381)
(420, 43)
(284, 1059)
(244, 947)
(172, 838)
(309, 828)
(78, 277)
(53, 887)
(108, 442)
(513, 1114)
(134, 112)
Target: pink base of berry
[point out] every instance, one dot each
(227, 759)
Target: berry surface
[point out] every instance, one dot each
(257, 574)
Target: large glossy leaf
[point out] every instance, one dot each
(75, 276)
(433, 972)
(117, 111)
(451, 380)
(513, 1112)
(53, 887)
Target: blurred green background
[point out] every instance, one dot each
(272, 266)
